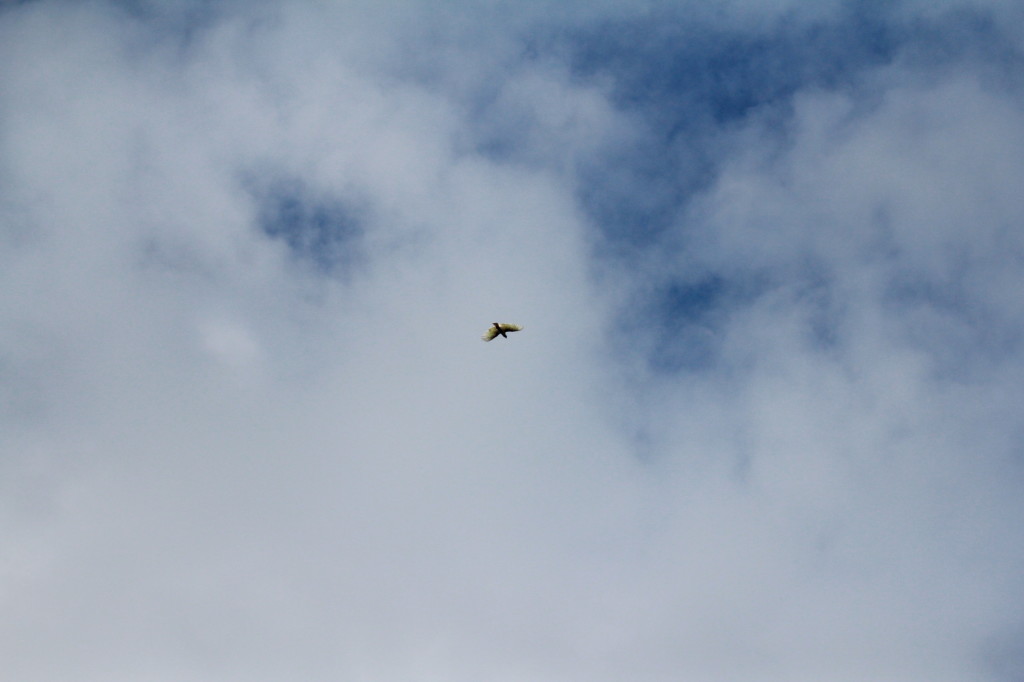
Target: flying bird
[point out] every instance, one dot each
(499, 329)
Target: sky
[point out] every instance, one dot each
(764, 420)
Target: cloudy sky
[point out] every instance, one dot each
(765, 420)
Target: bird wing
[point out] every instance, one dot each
(491, 333)
(509, 327)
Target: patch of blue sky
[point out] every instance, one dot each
(688, 318)
(319, 230)
(679, 325)
(691, 84)
(692, 87)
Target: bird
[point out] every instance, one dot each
(499, 329)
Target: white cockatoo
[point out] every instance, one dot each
(498, 329)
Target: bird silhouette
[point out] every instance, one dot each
(498, 329)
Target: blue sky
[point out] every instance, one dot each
(763, 422)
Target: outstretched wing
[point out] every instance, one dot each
(503, 326)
